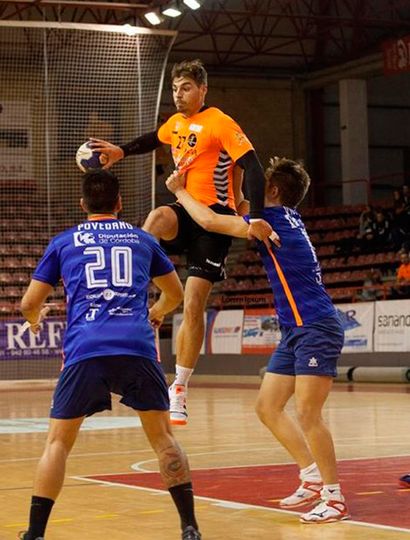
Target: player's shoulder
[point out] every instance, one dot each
(215, 113)
(176, 117)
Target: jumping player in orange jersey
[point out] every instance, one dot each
(206, 144)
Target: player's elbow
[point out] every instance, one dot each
(27, 304)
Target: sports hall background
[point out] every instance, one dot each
(324, 81)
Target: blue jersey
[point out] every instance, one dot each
(106, 267)
(294, 271)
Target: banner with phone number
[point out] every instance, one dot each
(17, 343)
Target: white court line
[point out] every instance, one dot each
(238, 506)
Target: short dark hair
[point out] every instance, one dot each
(193, 69)
(290, 178)
(100, 191)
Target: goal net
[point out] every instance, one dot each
(59, 85)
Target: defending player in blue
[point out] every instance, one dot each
(106, 265)
(304, 363)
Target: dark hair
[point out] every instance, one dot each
(193, 69)
(290, 178)
(100, 191)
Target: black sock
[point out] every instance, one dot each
(39, 513)
(183, 497)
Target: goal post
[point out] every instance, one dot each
(61, 83)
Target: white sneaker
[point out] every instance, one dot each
(177, 406)
(327, 511)
(307, 493)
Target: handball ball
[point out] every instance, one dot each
(87, 159)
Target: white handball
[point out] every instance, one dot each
(87, 159)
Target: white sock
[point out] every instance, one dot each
(334, 491)
(310, 473)
(182, 375)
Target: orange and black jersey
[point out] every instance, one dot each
(206, 146)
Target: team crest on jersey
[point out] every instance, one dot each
(83, 238)
(192, 140)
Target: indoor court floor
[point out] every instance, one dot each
(113, 492)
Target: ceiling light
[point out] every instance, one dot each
(193, 4)
(172, 11)
(129, 30)
(153, 17)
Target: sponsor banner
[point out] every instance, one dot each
(392, 326)
(16, 344)
(396, 55)
(261, 333)
(176, 323)
(224, 332)
(15, 141)
(358, 321)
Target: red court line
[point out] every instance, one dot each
(370, 486)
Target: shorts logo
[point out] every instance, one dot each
(313, 362)
(83, 239)
(213, 263)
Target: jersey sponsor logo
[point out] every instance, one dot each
(196, 127)
(109, 294)
(83, 238)
(192, 140)
(313, 362)
(120, 311)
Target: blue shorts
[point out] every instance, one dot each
(313, 349)
(85, 388)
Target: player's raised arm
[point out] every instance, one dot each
(113, 153)
(203, 215)
(255, 185)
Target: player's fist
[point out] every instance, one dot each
(175, 182)
(259, 229)
(110, 153)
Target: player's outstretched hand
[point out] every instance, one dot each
(110, 153)
(259, 229)
(175, 181)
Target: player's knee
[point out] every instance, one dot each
(265, 412)
(307, 417)
(161, 222)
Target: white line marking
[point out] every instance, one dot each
(239, 506)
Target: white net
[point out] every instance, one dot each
(59, 85)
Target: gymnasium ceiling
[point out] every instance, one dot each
(264, 37)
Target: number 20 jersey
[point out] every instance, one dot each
(106, 267)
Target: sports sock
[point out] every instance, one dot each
(311, 473)
(183, 497)
(182, 375)
(334, 491)
(39, 513)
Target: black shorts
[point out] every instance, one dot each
(206, 252)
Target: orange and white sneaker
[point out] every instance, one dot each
(307, 493)
(328, 510)
(177, 404)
